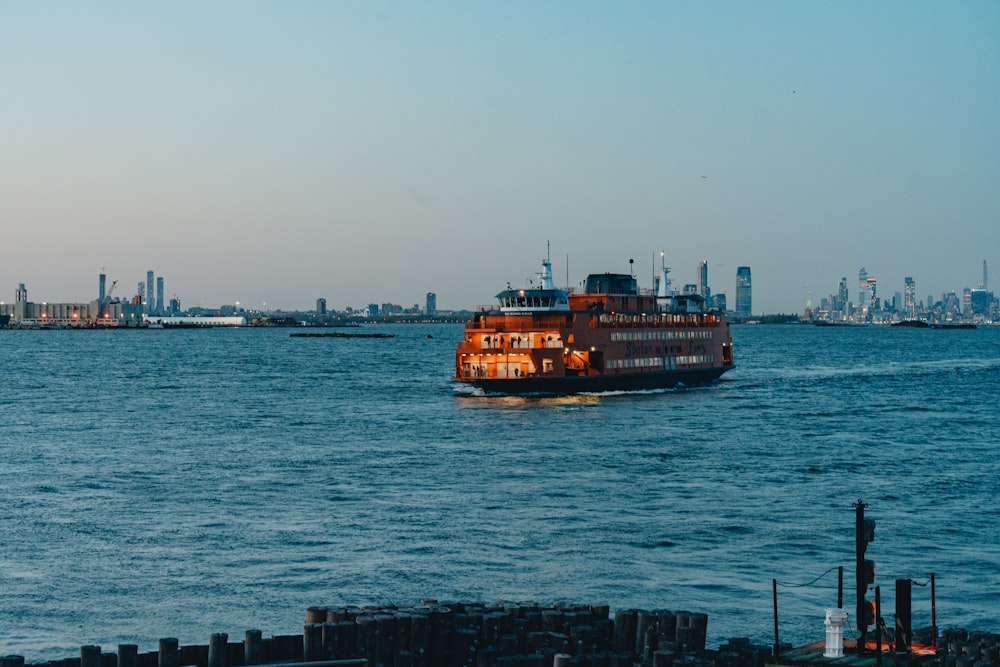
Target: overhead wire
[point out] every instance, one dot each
(808, 583)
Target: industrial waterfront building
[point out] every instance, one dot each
(103, 312)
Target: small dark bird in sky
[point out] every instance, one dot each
(704, 176)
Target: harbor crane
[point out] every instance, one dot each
(102, 312)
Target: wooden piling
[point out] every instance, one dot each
(366, 637)
(168, 655)
(433, 634)
(316, 615)
(385, 638)
(90, 656)
(128, 655)
(252, 647)
(312, 641)
(625, 626)
(218, 649)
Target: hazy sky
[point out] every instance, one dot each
(276, 152)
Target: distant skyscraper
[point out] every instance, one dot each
(703, 278)
(149, 292)
(431, 307)
(979, 301)
(321, 306)
(909, 296)
(862, 285)
(159, 295)
(986, 282)
(141, 291)
(842, 295)
(743, 291)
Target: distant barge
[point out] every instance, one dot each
(921, 324)
(342, 335)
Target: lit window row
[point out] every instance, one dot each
(644, 362)
(653, 319)
(528, 301)
(692, 359)
(683, 334)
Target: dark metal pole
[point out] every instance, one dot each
(774, 589)
(859, 575)
(933, 616)
(904, 616)
(878, 626)
(840, 587)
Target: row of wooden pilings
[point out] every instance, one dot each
(453, 634)
(961, 648)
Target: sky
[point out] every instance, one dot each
(271, 153)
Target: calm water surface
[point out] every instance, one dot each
(180, 483)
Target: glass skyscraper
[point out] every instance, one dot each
(743, 293)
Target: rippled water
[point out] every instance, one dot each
(180, 483)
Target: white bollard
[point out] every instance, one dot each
(835, 621)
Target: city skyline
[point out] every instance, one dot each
(734, 302)
(360, 152)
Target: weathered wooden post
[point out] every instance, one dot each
(663, 658)
(312, 641)
(366, 637)
(329, 638)
(625, 625)
(403, 629)
(169, 654)
(218, 649)
(128, 655)
(316, 614)
(90, 656)
(600, 612)
(252, 647)
(699, 630)
(385, 638)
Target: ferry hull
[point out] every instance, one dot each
(588, 384)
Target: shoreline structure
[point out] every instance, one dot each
(457, 634)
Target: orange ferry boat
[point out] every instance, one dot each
(547, 340)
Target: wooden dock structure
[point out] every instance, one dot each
(456, 634)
